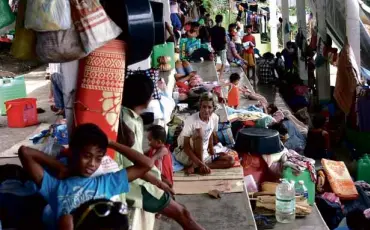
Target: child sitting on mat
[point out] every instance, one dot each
(160, 153)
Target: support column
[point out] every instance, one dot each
(322, 72)
(273, 27)
(302, 25)
(70, 75)
(285, 16)
(353, 28)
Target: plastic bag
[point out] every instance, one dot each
(59, 46)
(93, 24)
(48, 15)
(6, 14)
(24, 43)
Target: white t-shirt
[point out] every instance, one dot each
(54, 68)
(194, 122)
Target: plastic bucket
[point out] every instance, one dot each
(21, 112)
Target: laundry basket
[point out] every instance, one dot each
(21, 112)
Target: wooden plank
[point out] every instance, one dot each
(204, 186)
(217, 174)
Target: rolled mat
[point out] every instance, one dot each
(99, 88)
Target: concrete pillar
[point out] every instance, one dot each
(70, 74)
(285, 16)
(353, 28)
(273, 27)
(301, 17)
(322, 72)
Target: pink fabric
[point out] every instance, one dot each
(278, 116)
(195, 81)
(367, 213)
(331, 197)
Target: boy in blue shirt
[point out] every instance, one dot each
(88, 146)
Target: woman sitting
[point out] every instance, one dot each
(232, 53)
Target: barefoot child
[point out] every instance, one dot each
(233, 97)
(160, 153)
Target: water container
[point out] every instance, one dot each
(363, 168)
(285, 202)
(289, 174)
(301, 190)
(11, 88)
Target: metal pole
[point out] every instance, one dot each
(353, 29)
(322, 72)
(302, 26)
(285, 14)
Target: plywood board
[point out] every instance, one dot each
(201, 187)
(217, 174)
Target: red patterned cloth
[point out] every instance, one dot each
(100, 88)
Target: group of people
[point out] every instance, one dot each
(70, 182)
(232, 45)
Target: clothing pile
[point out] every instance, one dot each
(299, 163)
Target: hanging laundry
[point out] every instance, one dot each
(347, 78)
(7, 16)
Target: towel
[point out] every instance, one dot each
(347, 78)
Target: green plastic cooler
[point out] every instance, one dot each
(10, 89)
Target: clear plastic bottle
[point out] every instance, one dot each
(301, 189)
(285, 202)
(176, 94)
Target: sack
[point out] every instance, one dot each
(7, 16)
(224, 134)
(24, 43)
(47, 15)
(167, 50)
(93, 24)
(59, 46)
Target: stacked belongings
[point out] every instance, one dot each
(252, 144)
(164, 63)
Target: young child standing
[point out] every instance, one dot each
(249, 52)
(160, 153)
(233, 97)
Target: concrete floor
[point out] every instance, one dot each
(38, 88)
(226, 213)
